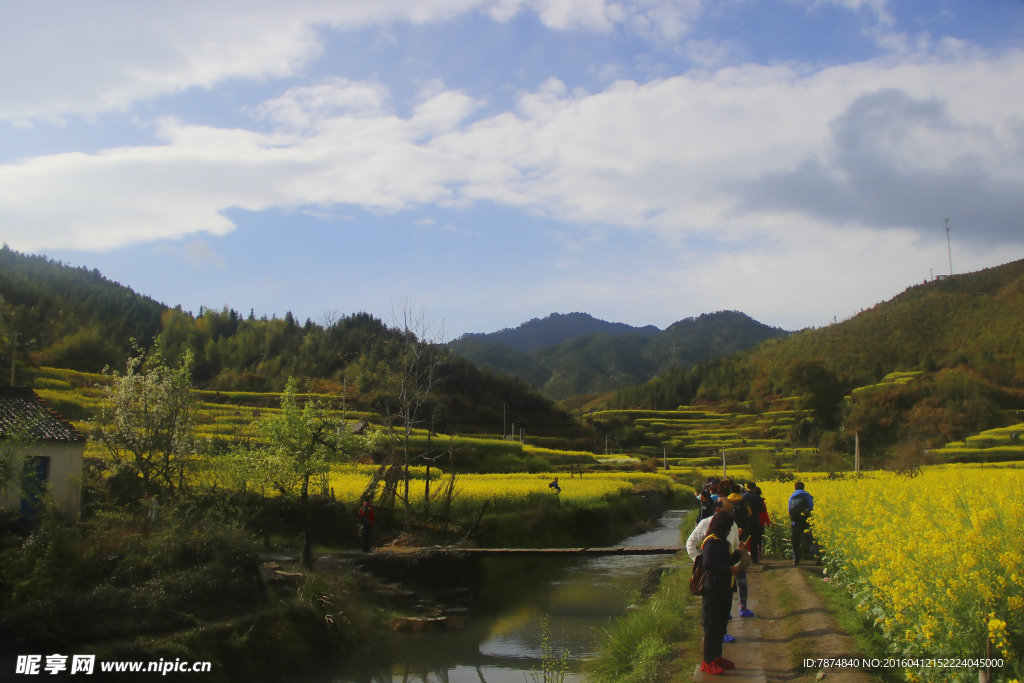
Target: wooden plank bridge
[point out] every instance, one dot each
(547, 552)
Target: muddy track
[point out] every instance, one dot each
(791, 624)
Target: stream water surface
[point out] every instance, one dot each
(501, 642)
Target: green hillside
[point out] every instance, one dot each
(956, 344)
(602, 362)
(72, 317)
(76, 319)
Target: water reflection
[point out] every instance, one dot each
(501, 642)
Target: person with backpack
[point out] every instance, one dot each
(366, 522)
(695, 542)
(757, 506)
(801, 504)
(719, 562)
(741, 513)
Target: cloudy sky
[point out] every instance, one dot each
(498, 160)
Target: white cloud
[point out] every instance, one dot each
(200, 252)
(693, 154)
(67, 58)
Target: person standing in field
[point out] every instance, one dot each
(801, 504)
(366, 522)
(757, 506)
(720, 571)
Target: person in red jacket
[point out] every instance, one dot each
(366, 522)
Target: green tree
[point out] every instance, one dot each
(822, 391)
(148, 422)
(14, 450)
(293, 448)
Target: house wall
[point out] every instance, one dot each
(65, 484)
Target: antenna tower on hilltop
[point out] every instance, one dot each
(949, 248)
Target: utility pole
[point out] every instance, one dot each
(606, 444)
(503, 407)
(949, 248)
(664, 457)
(725, 475)
(856, 452)
(14, 348)
(344, 405)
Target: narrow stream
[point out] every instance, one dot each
(501, 642)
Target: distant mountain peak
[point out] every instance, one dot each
(557, 328)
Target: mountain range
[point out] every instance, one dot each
(566, 355)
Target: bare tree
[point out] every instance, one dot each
(329, 318)
(412, 373)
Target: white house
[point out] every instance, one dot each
(57, 453)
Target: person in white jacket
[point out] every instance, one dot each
(696, 539)
(700, 532)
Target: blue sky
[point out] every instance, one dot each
(498, 160)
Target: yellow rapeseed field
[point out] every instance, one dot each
(937, 560)
(509, 492)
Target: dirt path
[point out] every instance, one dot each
(791, 624)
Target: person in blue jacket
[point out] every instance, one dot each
(801, 504)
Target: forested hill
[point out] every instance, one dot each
(76, 318)
(602, 362)
(72, 317)
(556, 329)
(971, 324)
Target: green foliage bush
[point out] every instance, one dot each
(106, 579)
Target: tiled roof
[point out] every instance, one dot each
(20, 407)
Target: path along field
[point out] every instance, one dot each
(936, 560)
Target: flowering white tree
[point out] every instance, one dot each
(148, 422)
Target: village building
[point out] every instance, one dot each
(55, 454)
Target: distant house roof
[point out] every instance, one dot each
(356, 427)
(20, 407)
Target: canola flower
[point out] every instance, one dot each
(510, 492)
(936, 561)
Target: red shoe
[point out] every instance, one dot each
(724, 663)
(711, 668)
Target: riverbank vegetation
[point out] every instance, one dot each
(661, 638)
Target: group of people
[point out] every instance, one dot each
(728, 538)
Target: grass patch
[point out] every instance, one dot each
(857, 624)
(660, 641)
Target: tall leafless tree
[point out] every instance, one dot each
(412, 375)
